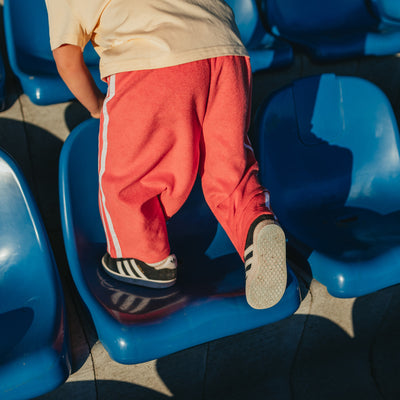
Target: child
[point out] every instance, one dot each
(178, 104)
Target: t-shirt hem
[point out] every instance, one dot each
(111, 68)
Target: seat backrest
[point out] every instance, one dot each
(329, 137)
(316, 16)
(28, 31)
(246, 17)
(330, 156)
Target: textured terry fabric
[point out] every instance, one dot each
(161, 127)
(145, 34)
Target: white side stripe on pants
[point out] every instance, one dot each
(106, 215)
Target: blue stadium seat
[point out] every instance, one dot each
(266, 51)
(34, 356)
(329, 154)
(138, 324)
(28, 46)
(336, 29)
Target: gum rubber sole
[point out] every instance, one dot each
(267, 279)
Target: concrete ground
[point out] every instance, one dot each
(330, 349)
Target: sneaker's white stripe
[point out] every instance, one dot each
(128, 268)
(102, 166)
(248, 250)
(120, 268)
(137, 269)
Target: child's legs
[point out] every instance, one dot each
(148, 156)
(228, 166)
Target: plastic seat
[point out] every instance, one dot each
(265, 50)
(34, 356)
(139, 324)
(336, 29)
(329, 154)
(28, 46)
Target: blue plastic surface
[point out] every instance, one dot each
(329, 154)
(34, 357)
(28, 46)
(336, 29)
(388, 10)
(266, 51)
(138, 324)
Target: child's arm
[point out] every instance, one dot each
(75, 74)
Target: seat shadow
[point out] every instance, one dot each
(304, 357)
(75, 113)
(13, 327)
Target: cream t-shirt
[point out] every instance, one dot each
(145, 34)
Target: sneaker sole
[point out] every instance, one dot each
(138, 281)
(267, 279)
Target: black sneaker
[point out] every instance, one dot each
(130, 270)
(265, 263)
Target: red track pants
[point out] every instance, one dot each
(161, 127)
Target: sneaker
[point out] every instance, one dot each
(265, 263)
(130, 270)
